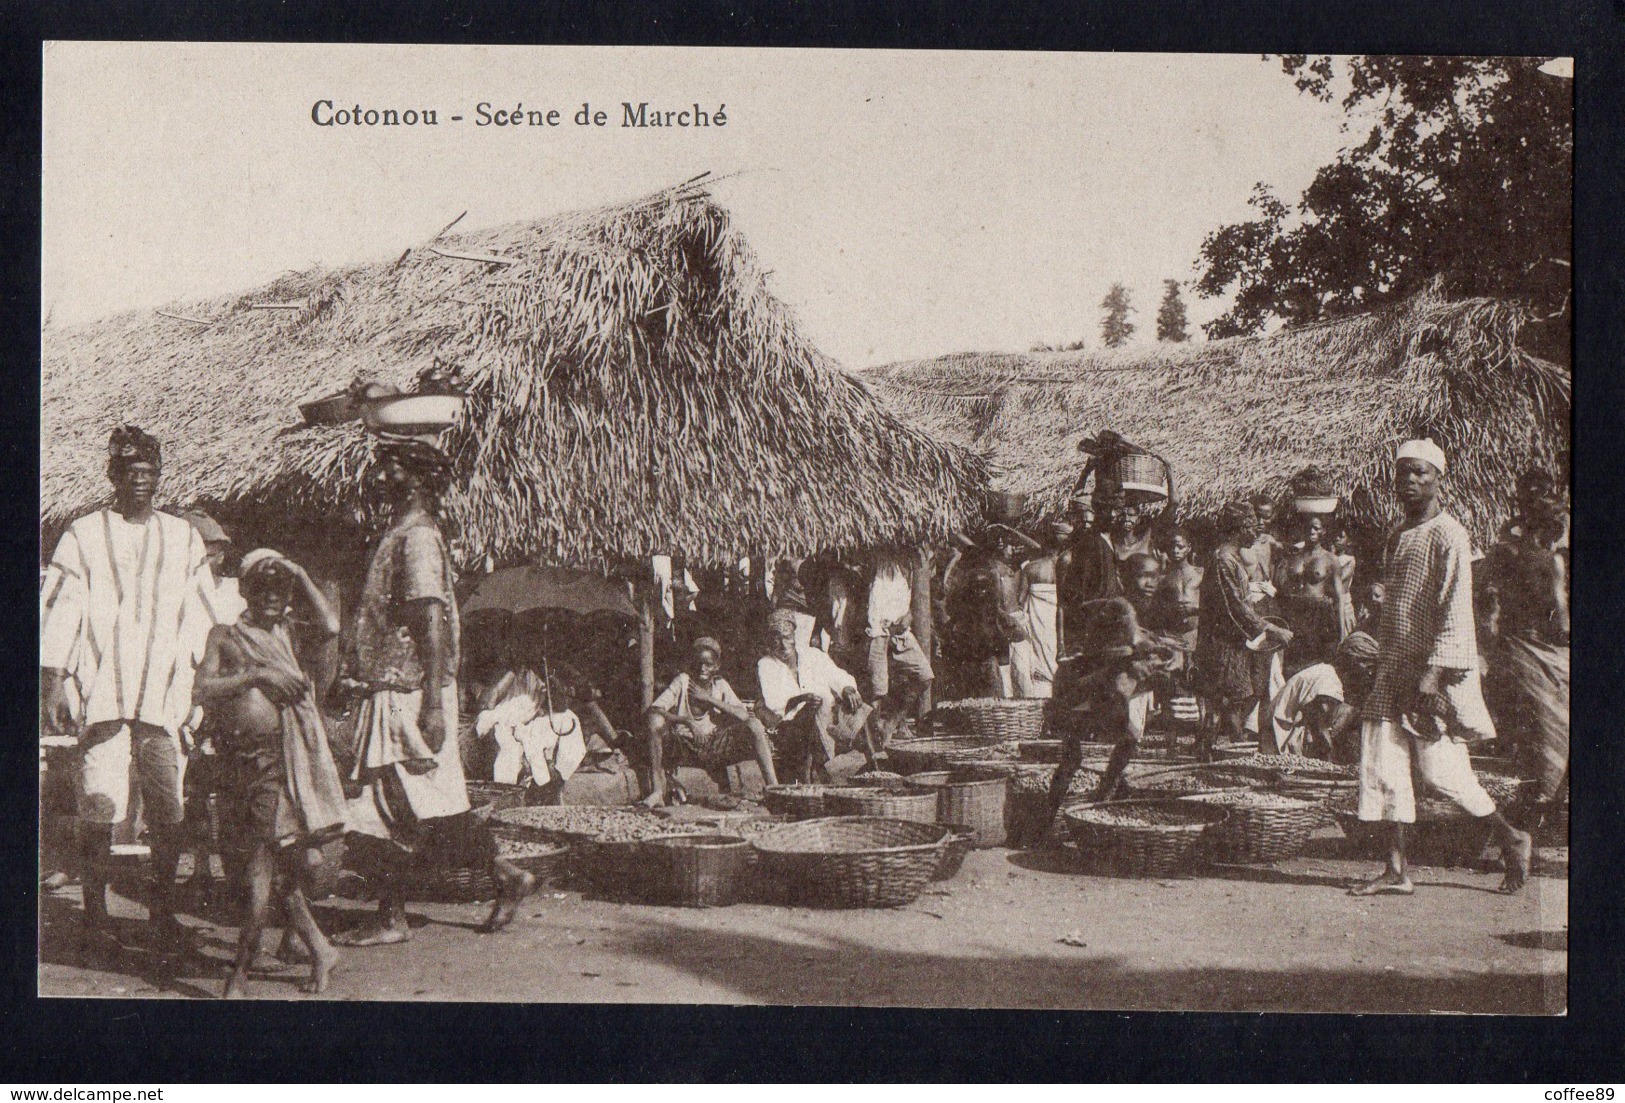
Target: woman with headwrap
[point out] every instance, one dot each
(1224, 663)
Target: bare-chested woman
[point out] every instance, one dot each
(283, 794)
(1308, 585)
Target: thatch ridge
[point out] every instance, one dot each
(1245, 414)
(635, 389)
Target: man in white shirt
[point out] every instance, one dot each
(118, 609)
(814, 705)
(900, 674)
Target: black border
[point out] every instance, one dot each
(60, 1041)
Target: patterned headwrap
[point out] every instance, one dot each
(707, 643)
(1235, 515)
(129, 443)
(780, 619)
(1359, 647)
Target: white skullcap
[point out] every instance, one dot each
(256, 557)
(1423, 449)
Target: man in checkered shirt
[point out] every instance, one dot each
(1425, 704)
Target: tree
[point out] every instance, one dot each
(1171, 314)
(1115, 328)
(1465, 175)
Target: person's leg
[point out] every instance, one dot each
(658, 729)
(1446, 765)
(387, 868)
(323, 957)
(95, 845)
(158, 764)
(762, 749)
(1123, 752)
(823, 720)
(260, 872)
(1386, 796)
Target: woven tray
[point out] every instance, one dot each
(909, 756)
(1142, 838)
(577, 824)
(798, 802)
(852, 861)
(1216, 778)
(960, 840)
(919, 803)
(976, 798)
(1261, 827)
(701, 871)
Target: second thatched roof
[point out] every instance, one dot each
(635, 390)
(1243, 415)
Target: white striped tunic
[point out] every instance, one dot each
(121, 609)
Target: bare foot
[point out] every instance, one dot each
(1385, 884)
(321, 972)
(656, 799)
(513, 891)
(375, 935)
(1516, 859)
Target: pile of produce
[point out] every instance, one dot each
(585, 820)
(511, 848)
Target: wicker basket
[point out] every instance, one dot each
(701, 871)
(1443, 835)
(1142, 838)
(852, 861)
(920, 803)
(910, 756)
(1040, 750)
(976, 798)
(499, 795)
(880, 779)
(960, 840)
(623, 870)
(548, 861)
(1027, 817)
(995, 720)
(1261, 827)
(798, 802)
(1205, 779)
(930, 777)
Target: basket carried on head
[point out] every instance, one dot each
(960, 839)
(919, 803)
(701, 871)
(1443, 834)
(1261, 827)
(976, 797)
(798, 802)
(1142, 838)
(852, 861)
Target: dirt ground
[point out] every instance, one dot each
(1277, 938)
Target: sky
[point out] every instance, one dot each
(906, 203)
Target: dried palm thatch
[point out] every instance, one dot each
(1243, 415)
(634, 389)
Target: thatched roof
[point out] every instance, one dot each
(635, 389)
(1245, 414)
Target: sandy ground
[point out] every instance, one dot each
(1278, 938)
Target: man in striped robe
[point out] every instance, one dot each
(118, 610)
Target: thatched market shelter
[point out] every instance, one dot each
(1245, 414)
(635, 390)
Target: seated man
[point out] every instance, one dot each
(813, 704)
(1317, 712)
(702, 722)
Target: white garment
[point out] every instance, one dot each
(891, 596)
(1032, 660)
(674, 699)
(1387, 750)
(551, 744)
(1287, 706)
(120, 607)
(816, 673)
(388, 735)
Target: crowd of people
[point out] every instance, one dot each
(178, 682)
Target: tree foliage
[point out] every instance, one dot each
(1465, 174)
(1115, 328)
(1171, 314)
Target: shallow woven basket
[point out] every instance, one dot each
(1261, 827)
(1027, 818)
(852, 861)
(976, 798)
(499, 795)
(1142, 839)
(930, 777)
(910, 756)
(1209, 779)
(960, 840)
(1040, 750)
(798, 802)
(920, 803)
(467, 884)
(702, 871)
(1443, 835)
(624, 870)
